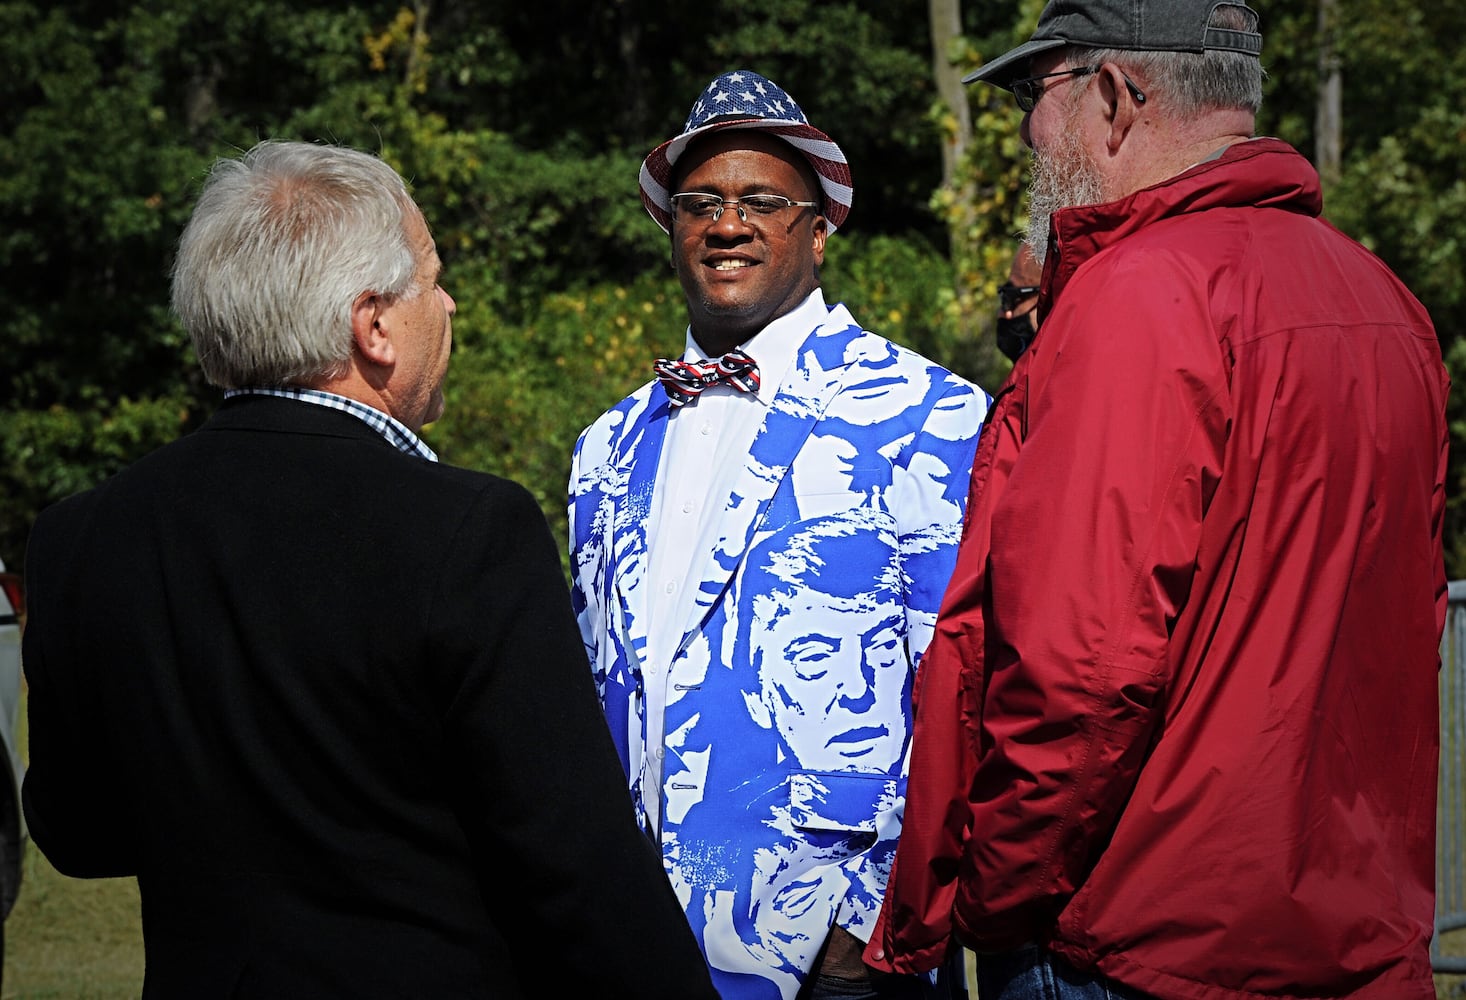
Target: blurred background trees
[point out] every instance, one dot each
(521, 128)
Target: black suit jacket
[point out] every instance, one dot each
(327, 701)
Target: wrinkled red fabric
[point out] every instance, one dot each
(1179, 719)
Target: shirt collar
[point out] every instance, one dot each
(392, 429)
(775, 346)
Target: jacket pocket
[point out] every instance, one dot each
(839, 801)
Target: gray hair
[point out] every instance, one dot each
(281, 243)
(1190, 82)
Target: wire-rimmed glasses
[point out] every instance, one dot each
(1028, 90)
(703, 205)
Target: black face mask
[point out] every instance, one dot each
(1014, 334)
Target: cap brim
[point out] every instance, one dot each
(1013, 64)
(822, 152)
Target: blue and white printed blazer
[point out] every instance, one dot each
(788, 713)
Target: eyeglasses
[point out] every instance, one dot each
(1028, 90)
(701, 205)
(1010, 296)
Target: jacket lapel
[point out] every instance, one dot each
(638, 452)
(814, 380)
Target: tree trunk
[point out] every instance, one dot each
(946, 27)
(414, 66)
(635, 114)
(1328, 143)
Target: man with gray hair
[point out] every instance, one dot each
(323, 696)
(1180, 740)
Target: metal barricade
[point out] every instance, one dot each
(1450, 851)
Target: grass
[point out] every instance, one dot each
(1452, 987)
(72, 939)
(67, 938)
(81, 939)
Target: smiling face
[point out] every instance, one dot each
(737, 275)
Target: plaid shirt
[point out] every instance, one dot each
(390, 428)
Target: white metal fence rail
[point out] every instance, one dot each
(1450, 852)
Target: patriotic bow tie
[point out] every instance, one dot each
(685, 380)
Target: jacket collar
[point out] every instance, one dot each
(821, 367)
(1259, 173)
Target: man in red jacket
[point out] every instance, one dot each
(1176, 734)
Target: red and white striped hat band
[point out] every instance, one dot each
(743, 99)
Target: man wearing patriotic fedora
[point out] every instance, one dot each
(757, 684)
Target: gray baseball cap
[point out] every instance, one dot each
(1139, 25)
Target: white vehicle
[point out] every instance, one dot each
(12, 822)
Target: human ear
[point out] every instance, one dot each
(1123, 102)
(369, 329)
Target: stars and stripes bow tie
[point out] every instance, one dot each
(685, 380)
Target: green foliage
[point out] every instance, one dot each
(900, 288)
(518, 396)
(528, 223)
(988, 209)
(983, 209)
(49, 454)
(521, 128)
(92, 190)
(865, 67)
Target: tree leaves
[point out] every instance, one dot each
(521, 128)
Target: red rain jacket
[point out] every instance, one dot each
(1179, 719)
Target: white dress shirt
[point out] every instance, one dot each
(707, 442)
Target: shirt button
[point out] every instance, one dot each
(687, 507)
(707, 429)
(661, 753)
(671, 588)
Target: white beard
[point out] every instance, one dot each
(1063, 177)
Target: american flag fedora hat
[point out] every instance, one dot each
(744, 99)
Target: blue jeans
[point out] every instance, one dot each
(1029, 973)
